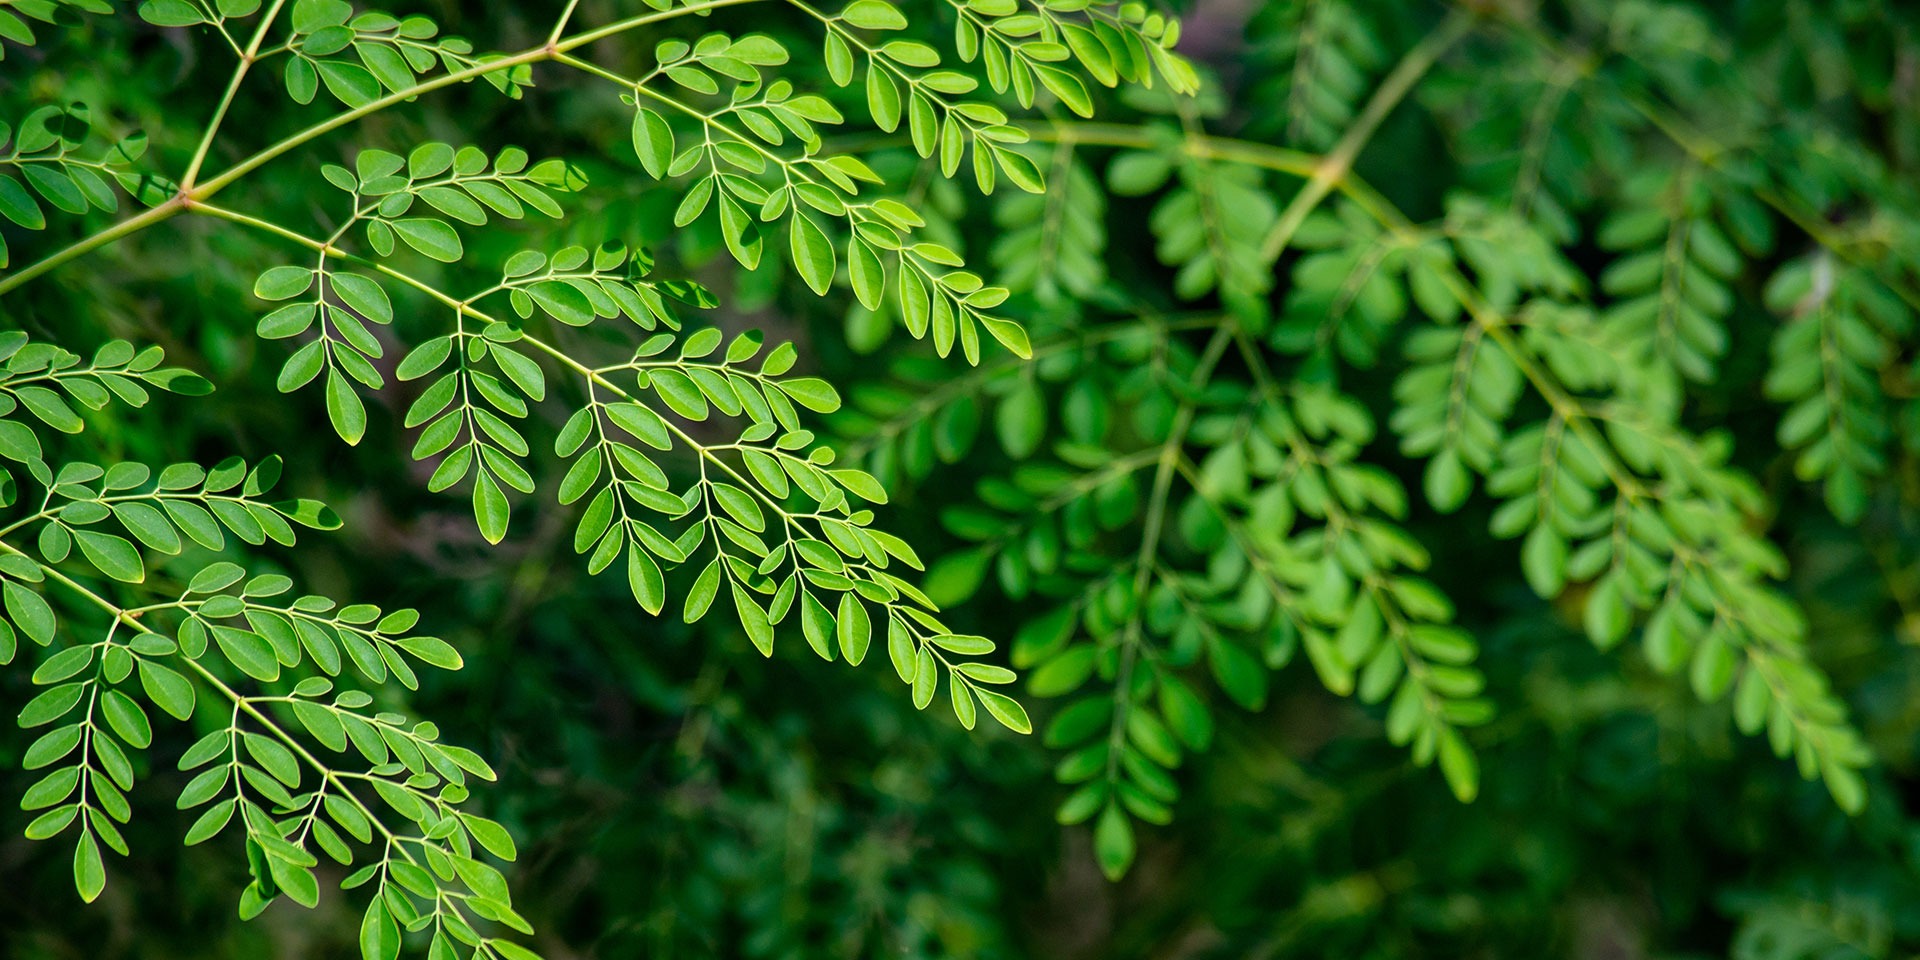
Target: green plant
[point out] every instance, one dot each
(1519, 390)
(1188, 495)
(769, 520)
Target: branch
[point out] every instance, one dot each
(207, 190)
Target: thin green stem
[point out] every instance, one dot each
(1167, 464)
(621, 26)
(1335, 166)
(339, 120)
(560, 25)
(131, 225)
(593, 69)
(1205, 146)
(209, 188)
(1210, 147)
(247, 59)
(545, 51)
(327, 248)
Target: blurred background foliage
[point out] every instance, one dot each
(675, 796)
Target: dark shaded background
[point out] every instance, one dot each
(676, 796)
